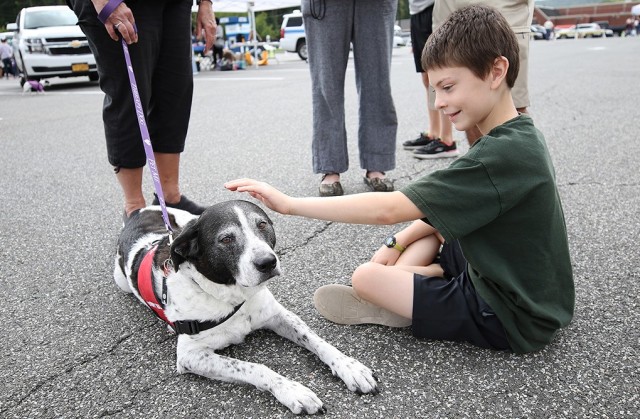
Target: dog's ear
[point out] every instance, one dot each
(185, 246)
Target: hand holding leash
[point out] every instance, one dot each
(117, 19)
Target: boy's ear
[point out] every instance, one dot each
(499, 71)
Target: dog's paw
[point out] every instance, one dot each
(356, 376)
(298, 398)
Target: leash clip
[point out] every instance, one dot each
(167, 266)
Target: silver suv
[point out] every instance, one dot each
(49, 43)
(292, 37)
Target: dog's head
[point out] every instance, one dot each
(231, 243)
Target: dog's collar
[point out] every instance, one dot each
(148, 294)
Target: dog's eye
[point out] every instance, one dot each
(227, 239)
(262, 225)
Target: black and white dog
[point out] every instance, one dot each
(209, 285)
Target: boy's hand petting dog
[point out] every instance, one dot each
(263, 192)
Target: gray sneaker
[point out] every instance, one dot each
(340, 304)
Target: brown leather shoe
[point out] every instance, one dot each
(330, 189)
(378, 184)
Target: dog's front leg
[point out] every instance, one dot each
(356, 376)
(195, 357)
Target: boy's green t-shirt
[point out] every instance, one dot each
(501, 202)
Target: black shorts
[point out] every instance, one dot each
(420, 30)
(162, 63)
(450, 309)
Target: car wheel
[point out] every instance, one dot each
(302, 50)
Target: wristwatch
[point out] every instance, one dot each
(391, 243)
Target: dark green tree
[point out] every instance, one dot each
(9, 9)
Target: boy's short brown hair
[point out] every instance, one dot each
(473, 37)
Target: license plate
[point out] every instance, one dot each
(79, 67)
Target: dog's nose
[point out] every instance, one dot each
(266, 263)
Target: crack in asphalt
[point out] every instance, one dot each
(86, 360)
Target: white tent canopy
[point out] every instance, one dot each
(250, 7)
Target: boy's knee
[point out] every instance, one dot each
(361, 275)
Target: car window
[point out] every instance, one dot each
(43, 18)
(294, 21)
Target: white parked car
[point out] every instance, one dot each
(398, 40)
(589, 30)
(292, 36)
(293, 39)
(49, 43)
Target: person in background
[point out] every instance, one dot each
(548, 26)
(159, 37)
(6, 55)
(332, 27)
(438, 140)
(519, 14)
(218, 45)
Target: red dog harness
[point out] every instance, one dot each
(148, 294)
(145, 286)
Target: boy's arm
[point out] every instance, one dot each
(405, 237)
(364, 208)
(415, 231)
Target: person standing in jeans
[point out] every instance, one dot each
(332, 27)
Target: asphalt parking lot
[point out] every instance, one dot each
(74, 346)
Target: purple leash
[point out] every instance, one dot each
(142, 123)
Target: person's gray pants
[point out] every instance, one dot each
(368, 25)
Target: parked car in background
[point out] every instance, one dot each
(590, 30)
(608, 32)
(49, 43)
(292, 36)
(7, 35)
(398, 40)
(583, 30)
(565, 31)
(538, 32)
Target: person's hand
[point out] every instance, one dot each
(206, 21)
(385, 256)
(120, 22)
(263, 192)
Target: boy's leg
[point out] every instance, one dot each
(388, 287)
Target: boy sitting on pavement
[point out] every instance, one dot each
(503, 276)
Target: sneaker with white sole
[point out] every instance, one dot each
(340, 304)
(422, 140)
(436, 150)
